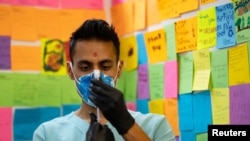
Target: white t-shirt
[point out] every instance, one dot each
(72, 128)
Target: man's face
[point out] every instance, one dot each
(94, 54)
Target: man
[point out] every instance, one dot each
(95, 67)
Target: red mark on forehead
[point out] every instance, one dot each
(94, 54)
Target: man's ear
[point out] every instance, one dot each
(120, 67)
(69, 70)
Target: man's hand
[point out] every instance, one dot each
(110, 101)
(98, 132)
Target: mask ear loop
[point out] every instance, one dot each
(71, 66)
(115, 78)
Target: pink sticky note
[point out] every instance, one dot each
(6, 124)
(48, 3)
(170, 79)
(89, 4)
(5, 2)
(131, 106)
(143, 82)
(24, 2)
(114, 2)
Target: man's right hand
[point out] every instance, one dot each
(97, 131)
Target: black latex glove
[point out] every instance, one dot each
(110, 101)
(98, 132)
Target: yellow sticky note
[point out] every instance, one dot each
(238, 72)
(171, 113)
(25, 58)
(53, 57)
(156, 106)
(23, 23)
(156, 46)
(206, 28)
(129, 52)
(220, 105)
(5, 16)
(201, 69)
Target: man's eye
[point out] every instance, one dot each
(106, 67)
(84, 68)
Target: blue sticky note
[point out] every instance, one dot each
(185, 109)
(142, 105)
(202, 111)
(69, 108)
(225, 26)
(188, 135)
(26, 120)
(142, 53)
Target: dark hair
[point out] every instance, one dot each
(95, 29)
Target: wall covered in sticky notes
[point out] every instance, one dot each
(189, 63)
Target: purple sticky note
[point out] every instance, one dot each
(143, 85)
(4, 52)
(239, 104)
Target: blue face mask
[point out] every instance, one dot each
(83, 84)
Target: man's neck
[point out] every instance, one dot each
(84, 110)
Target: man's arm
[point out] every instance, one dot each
(135, 133)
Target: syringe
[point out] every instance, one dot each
(97, 76)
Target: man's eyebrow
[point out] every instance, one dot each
(84, 62)
(106, 61)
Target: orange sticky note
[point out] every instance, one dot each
(140, 14)
(5, 16)
(171, 113)
(23, 23)
(48, 23)
(203, 2)
(122, 17)
(25, 58)
(156, 46)
(192, 5)
(70, 20)
(186, 34)
(168, 9)
(153, 15)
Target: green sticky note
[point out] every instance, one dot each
(201, 137)
(156, 81)
(69, 91)
(6, 89)
(120, 83)
(219, 68)
(170, 38)
(25, 89)
(185, 65)
(131, 85)
(49, 90)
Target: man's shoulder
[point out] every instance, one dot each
(58, 120)
(140, 117)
